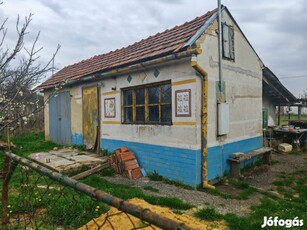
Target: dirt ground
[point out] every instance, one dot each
(119, 220)
(260, 177)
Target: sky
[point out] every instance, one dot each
(276, 29)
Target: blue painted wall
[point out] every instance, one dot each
(174, 163)
(77, 139)
(218, 155)
(184, 164)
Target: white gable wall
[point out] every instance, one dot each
(243, 79)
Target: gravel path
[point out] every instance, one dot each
(261, 177)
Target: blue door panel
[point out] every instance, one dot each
(66, 118)
(60, 118)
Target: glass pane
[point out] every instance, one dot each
(128, 97)
(140, 96)
(166, 93)
(153, 95)
(153, 113)
(140, 114)
(166, 113)
(128, 115)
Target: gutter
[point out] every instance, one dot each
(204, 121)
(220, 50)
(130, 68)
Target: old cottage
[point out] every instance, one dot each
(163, 99)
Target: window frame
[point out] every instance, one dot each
(228, 43)
(146, 104)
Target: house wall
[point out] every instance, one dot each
(268, 104)
(243, 79)
(171, 150)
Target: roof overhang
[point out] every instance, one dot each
(275, 90)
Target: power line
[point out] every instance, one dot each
(301, 76)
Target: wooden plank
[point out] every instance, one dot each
(90, 171)
(252, 154)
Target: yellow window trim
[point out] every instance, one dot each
(111, 92)
(184, 123)
(189, 81)
(111, 122)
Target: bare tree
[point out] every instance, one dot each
(304, 95)
(20, 70)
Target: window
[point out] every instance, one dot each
(228, 42)
(149, 104)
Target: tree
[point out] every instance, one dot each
(20, 71)
(304, 95)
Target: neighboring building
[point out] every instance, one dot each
(156, 98)
(295, 109)
(274, 94)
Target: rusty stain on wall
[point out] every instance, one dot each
(90, 117)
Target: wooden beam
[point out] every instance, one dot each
(90, 171)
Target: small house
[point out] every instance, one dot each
(162, 97)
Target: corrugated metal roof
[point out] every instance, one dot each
(277, 92)
(168, 42)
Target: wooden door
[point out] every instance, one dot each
(90, 102)
(60, 118)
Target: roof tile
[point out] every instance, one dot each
(170, 41)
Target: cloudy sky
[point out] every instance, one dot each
(276, 29)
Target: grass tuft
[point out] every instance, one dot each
(208, 214)
(150, 188)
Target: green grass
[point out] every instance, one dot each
(150, 188)
(128, 192)
(285, 118)
(157, 177)
(294, 189)
(72, 209)
(31, 143)
(208, 214)
(244, 194)
(107, 172)
(294, 152)
(64, 207)
(215, 192)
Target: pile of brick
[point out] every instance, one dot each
(125, 163)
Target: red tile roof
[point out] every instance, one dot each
(168, 42)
